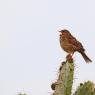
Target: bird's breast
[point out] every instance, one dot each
(65, 45)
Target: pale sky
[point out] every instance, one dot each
(30, 53)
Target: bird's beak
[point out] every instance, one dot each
(59, 31)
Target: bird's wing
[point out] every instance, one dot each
(76, 43)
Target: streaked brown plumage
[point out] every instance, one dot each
(70, 44)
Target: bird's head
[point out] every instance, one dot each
(64, 32)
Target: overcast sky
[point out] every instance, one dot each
(30, 53)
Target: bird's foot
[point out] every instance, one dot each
(69, 58)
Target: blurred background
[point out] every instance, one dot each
(30, 53)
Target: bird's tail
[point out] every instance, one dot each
(86, 58)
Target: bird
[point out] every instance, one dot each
(71, 45)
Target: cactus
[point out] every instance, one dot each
(63, 85)
(85, 89)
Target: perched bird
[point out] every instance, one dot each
(70, 44)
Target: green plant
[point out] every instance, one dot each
(63, 85)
